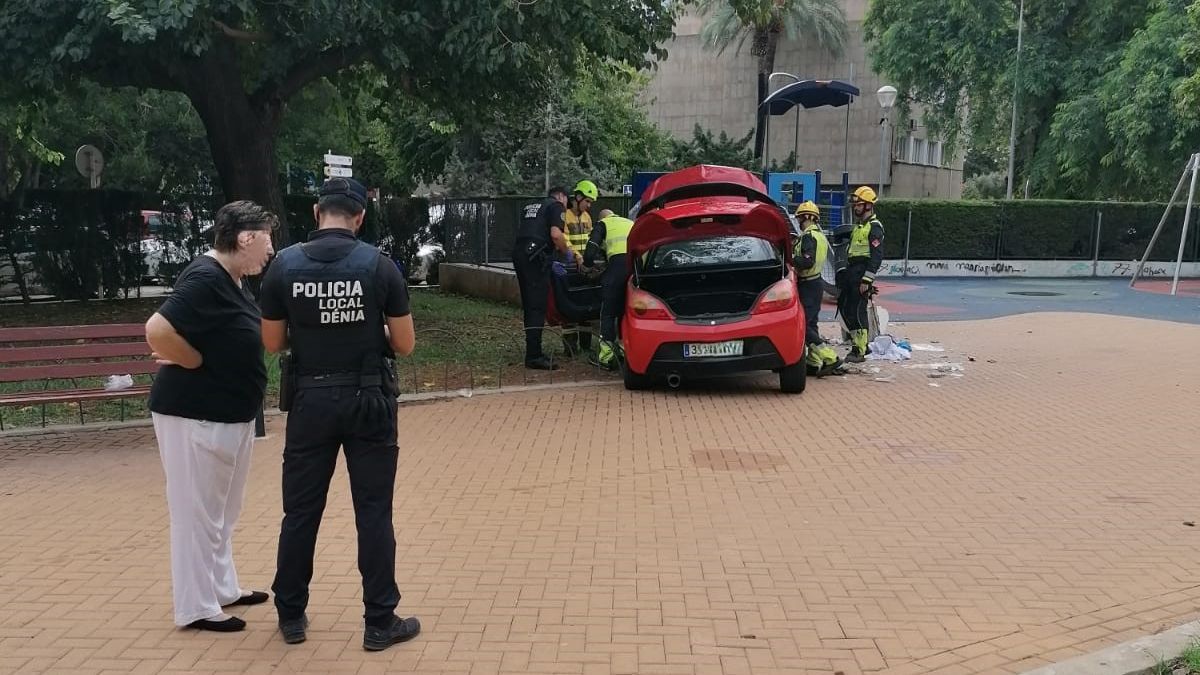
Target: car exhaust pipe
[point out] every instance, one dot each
(673, 380)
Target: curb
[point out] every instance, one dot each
(1136, 657)
(403, 399)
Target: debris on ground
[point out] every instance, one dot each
(937, 374)
(940, 367)
(889, 378)
(928, 348)
(884, 348)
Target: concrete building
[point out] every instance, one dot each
(695, 85)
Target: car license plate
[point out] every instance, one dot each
(693, 350)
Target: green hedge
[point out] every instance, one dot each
(1032, 230)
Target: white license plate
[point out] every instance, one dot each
(693, 350)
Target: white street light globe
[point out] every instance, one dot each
(887, 96)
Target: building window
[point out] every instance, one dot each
(935, 153)
(904, 149)
(920, 151)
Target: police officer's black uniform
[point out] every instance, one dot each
(531, 260)
(334, 292)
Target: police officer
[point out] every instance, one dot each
(608, 239)
(539, 234)
(808, 256)
(856, 282)
(343, 309)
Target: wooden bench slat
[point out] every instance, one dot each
(69, 396)
(40, 333)
(73, 370)
(94, 350)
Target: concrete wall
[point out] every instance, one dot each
(694, 85)
(491, 283)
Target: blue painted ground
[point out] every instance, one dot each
(964, 299)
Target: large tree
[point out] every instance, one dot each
(1101, 86)
(765, 23)
(240, 62)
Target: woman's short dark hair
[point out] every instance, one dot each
(237, 217)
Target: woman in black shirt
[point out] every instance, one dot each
(208, 338)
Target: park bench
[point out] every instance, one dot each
(67, 354)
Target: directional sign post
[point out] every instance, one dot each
(338, 166)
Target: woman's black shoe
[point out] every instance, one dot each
(255, 598)
(230, 625)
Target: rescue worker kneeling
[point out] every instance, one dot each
(857, 281)
(808, 256)
(608, 240)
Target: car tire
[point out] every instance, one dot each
(793, 378)
(634, 381)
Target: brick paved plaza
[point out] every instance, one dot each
(1028, 511)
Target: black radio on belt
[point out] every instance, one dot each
(287, 381)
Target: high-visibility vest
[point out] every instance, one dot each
(579, 227)
(860, 239)
(821, 254)
(616, 235)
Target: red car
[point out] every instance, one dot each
(711, 288)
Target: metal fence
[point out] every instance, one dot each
(482, 230)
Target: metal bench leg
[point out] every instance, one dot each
(43, 415)
(80, 412)
(122, 409)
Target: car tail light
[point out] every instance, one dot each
(781, 295)
(646, 306)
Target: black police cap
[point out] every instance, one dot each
(345, 187)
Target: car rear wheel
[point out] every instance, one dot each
(633, 381)
(793, 378)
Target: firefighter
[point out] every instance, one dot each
(856, 282)
(578, 223)
(808, 256)
(608, 242)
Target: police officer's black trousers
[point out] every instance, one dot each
(533, 277)
(812, 291)
(321, 420)
(851, 303)
(612, 298)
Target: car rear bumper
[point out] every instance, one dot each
(758, 354)
(770, 341)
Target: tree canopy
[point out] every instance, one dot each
(1106, 88)
(240, 62)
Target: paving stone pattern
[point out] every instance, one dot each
(1031, 510)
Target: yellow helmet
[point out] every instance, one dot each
(808, 208)
(865, 194)
(588, 189)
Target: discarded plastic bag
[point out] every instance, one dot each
(883, 348)
(928, 348)
(118, 382)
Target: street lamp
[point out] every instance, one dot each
(887, 98)
(796, 149)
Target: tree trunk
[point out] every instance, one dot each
(241, 136)
(766, 65)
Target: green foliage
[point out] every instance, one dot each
(1104, 86)
(822, 21)
(991, 185)
(1030, 230)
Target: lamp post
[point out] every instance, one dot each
(796, 148)
(887, 98)
(1012, 134)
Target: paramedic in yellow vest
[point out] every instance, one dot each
(808, 256)
(576, 337)
(856, 282)
(608, 242)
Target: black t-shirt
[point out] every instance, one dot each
(332, 244)
(537, 220)
(222, 322)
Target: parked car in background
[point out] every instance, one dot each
(711, 288)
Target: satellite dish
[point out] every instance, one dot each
(89, 161)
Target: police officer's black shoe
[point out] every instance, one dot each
(377, 639)
(293, 630)
(541, 363)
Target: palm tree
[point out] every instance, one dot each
(765, 21)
